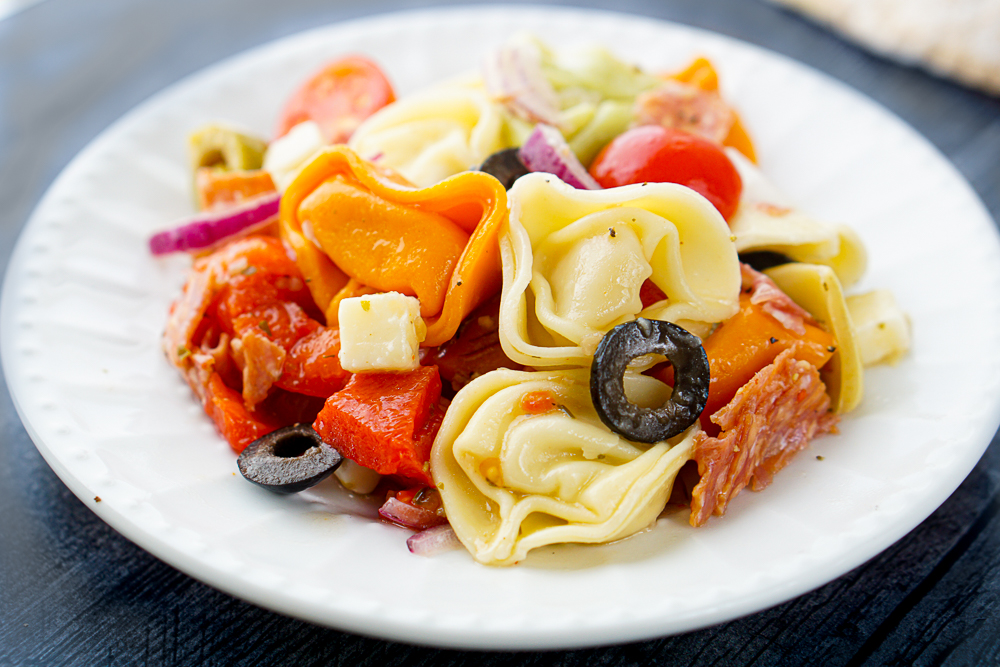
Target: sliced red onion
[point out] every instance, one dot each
(513, 76)
(205, 230)
(433, 541)
(407, 515)
(546, 150)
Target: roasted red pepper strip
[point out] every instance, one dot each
(218, 189)
(242, 336)
(312, 366)
(386, 421)
(236, 424)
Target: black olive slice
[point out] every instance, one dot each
(607, 385)
(760, 260)
(289, 460)
(505, 165)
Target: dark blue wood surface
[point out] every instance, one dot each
(74, 592)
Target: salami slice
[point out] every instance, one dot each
(771, 418)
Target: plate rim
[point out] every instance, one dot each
(262, 596)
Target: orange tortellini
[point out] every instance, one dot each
(356, 229)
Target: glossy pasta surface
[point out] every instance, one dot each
(574, 262)
(514, 481)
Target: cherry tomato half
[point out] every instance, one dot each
(338, 98)
(656, 154)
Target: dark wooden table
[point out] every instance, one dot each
(74, 592)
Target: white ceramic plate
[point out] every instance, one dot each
(84, 304)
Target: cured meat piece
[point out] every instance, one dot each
(765, 293)
(688, 108)
(750, 340)
(771, 418)
(261, 361)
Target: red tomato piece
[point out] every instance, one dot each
(656, 154)
(338, 98)
(649, 294)
(386, 421)
(538, 402)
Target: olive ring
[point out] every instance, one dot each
(289, 460)
(691, 379)
(506, 166)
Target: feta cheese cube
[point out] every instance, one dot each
(286, 157)
(380, 332)
(357, 478)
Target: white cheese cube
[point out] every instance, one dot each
(380, 332)
(357, 478)
(285, 157)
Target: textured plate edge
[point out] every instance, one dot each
(237, 587)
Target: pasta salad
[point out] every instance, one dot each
(540, 304)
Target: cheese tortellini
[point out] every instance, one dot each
(764, 221)
(869, 328)
(513, 479)
(880, 326)
(574, 262)
(433, 135)
(817, 289)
